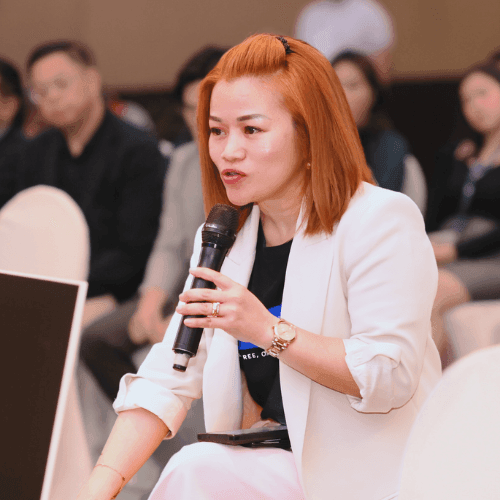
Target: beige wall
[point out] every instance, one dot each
(143, 42)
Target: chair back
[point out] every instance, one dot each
(454, 447)
(414, 183)
(44, 232)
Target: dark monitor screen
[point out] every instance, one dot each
(36, 317)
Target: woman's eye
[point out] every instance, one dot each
(251, 130)
(215, 131)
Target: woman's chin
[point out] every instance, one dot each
(238, 201)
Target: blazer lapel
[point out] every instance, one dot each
(223, 364)
(304, 301)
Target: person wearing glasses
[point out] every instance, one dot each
(112, 170)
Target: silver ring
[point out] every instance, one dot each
(215, 310)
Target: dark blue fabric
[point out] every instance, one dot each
(385, 153)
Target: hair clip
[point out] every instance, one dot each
(288, 50)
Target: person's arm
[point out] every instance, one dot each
(486, 244)
(10, 164)
(168, 263)
(442, 204)
(391, 283)
(135, 436)
(147, 321)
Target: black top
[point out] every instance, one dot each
(262, 372)
(10, 141)
(385, 152)
(444, 197)
(117, 181)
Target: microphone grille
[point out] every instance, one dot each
(221, 225)
(224, 215)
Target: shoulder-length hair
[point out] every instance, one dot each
(379, 118)
(327, 136)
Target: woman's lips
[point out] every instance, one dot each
(229, 176)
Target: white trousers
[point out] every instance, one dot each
(214, 471)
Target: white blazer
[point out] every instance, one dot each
(372, 283)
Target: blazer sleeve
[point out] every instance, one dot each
(157, 387)
(391, 282)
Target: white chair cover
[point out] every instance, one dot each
(44, 232)
(454, 449)
(414, 183)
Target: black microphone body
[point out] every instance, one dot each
(218, 234)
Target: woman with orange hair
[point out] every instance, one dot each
(321, 315)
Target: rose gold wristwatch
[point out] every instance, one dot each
(284, 335)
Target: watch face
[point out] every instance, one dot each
(285, 331)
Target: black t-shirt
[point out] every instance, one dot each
(262, 371)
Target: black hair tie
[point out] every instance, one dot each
(288, 50)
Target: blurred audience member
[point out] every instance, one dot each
(108, 344)
(463, 212)
(385, 149)
(336, 26)
(112, 170)
(11, 106)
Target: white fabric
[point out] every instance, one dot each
(453, 451)
(44, 232)
(336, 26)
(414, 183)
(372, 283)
(473, 326)
(208, 471)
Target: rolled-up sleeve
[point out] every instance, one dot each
(157, 387)
(391, 277)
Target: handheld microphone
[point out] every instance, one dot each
(218, 235)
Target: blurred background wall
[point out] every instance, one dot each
(142, 43)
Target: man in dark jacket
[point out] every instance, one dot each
(112, 170)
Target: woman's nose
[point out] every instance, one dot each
(233, 149)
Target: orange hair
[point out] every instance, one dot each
(327, 135)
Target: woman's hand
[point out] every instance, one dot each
(241, 314)
(444, 253)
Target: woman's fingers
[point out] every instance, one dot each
(197, 309)
(221, 281)
(201, 295)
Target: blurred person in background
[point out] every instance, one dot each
(11, 106)
(113, 171)
(463, 215)
(336, 26)
(386, 150)
(109, 343)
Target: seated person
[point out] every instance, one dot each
(385, 149)
(340, 277)
(11, 106)
(463, 213)
(107, 345)
(112, 170)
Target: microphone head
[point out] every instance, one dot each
(221, 225)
